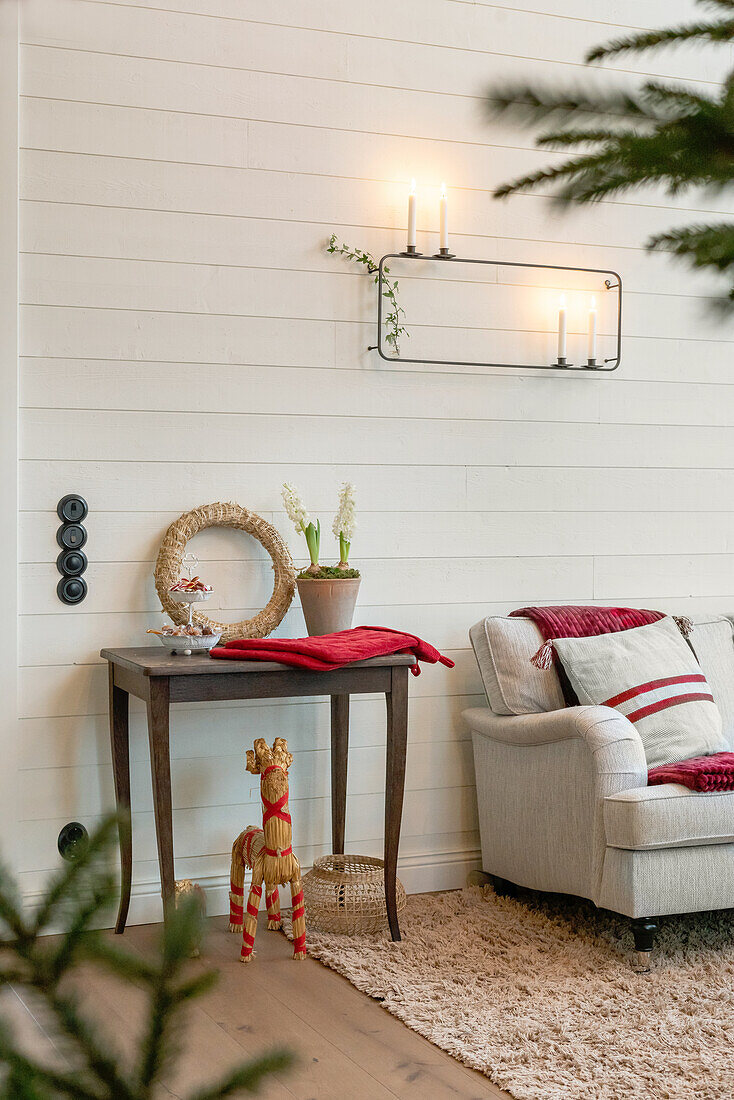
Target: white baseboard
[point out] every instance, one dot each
(418, 874)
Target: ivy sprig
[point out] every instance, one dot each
(395, 312)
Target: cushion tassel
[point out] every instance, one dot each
(544, 657)
(684, 624)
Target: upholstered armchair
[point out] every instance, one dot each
(562, 793)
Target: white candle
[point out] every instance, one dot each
(592, 329)
(562, 328)
(443, 208)
(411, 215)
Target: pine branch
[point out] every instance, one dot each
(677, 98)
(569, 169)
(65, 885)
(665, 133)
(701, 245)
(248, 1077)
(722, 31)
(529, 104)
(19, 1086)
(94, 1051)
(128, 967)
(78, 895)
(196, 987)
(580, 137)
(178, 940)
(11, 915)
(71, 944)
(36, 1081)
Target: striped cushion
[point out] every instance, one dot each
(651, 676)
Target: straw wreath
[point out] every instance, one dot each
(169, 565)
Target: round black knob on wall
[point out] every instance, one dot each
(71, 562)
(71, 589)
(71, 536)
(72, 508)
(73, 841)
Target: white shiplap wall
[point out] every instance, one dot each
(181, 171)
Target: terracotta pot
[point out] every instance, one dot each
(328, 605)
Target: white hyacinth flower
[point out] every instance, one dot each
(295, 508)
(345, 520)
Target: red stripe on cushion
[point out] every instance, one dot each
(663, 704)
(665, 681)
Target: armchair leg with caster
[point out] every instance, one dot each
(644, 930)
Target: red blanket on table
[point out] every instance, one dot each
(701, 773)
(325, 652)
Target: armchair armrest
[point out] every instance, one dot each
(541, 784)
(610, 737)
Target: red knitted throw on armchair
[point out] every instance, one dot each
(700, 773)
(569, 621)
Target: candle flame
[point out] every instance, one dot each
(593, 301)
(562, 302)
(412, 187)
(443, 190)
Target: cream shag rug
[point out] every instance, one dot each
(540, 995)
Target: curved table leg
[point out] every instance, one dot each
(397, 743)
(160, 763)
(120, 745)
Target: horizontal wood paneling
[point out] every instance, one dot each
(151, 486)
(200, 831)
(129, 586)
(212, 189)
(427, 34)
(481, 535)
(145, 435)
(338, 296)
(200, 781)
(83, 742)
(64, 691)
(159, 487)
(121, 232)
(85, 384)
(210, 340)
(186, 338)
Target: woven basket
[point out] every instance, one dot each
(347, 894)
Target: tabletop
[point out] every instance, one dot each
(156, 661)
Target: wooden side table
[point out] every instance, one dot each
(159, 679)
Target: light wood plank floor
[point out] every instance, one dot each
(347, 1045)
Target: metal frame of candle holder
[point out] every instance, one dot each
(444, 256)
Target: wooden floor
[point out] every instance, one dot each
(347, 1045)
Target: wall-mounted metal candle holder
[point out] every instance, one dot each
(613, 282)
